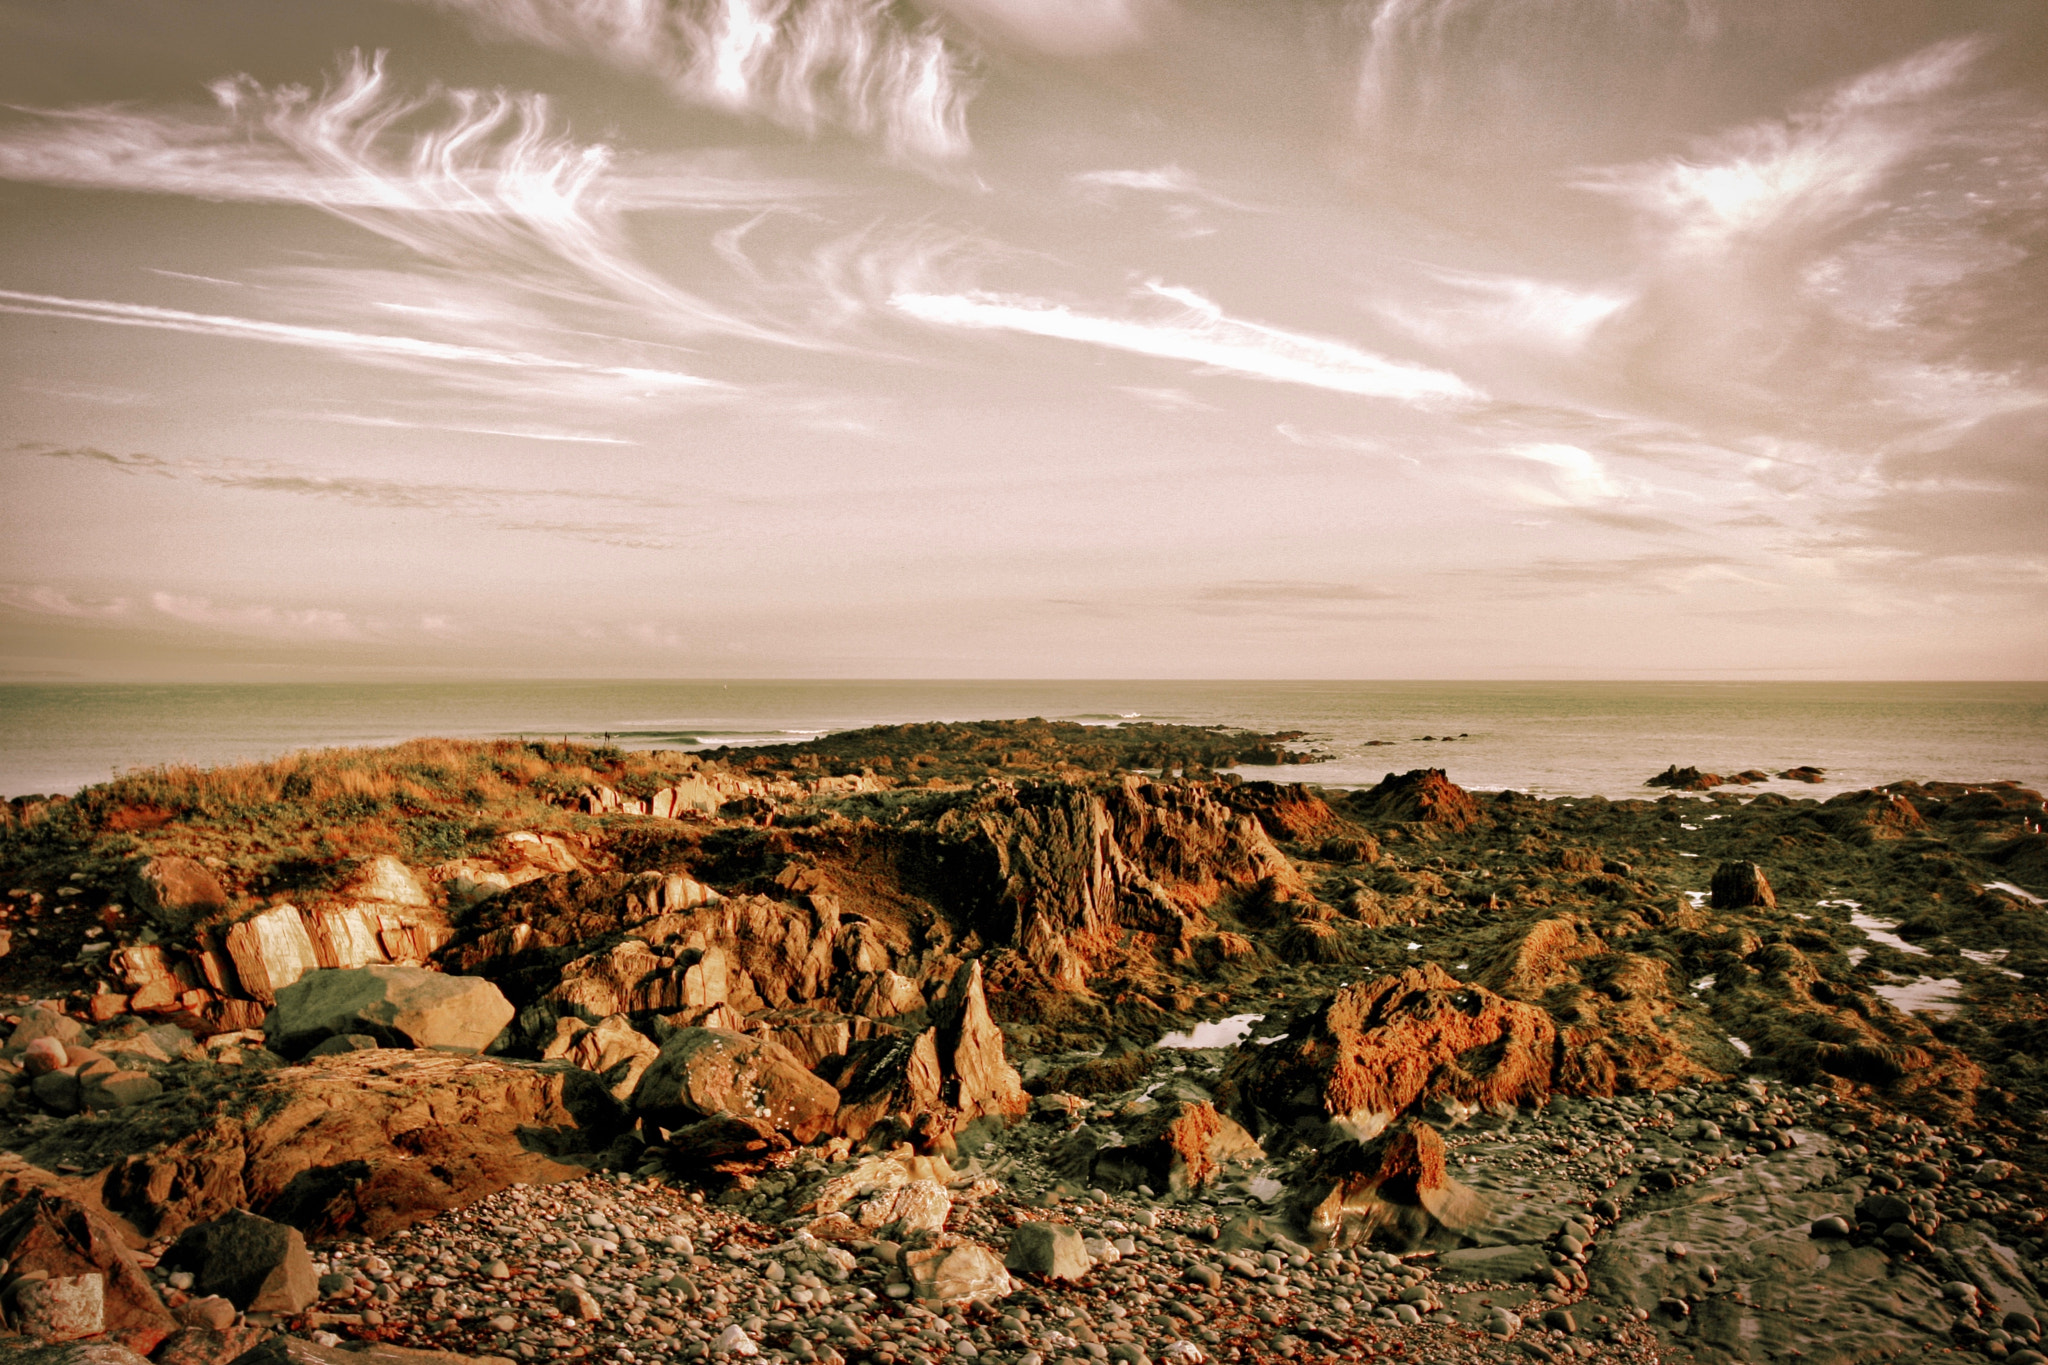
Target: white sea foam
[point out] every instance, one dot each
(1217, 1033)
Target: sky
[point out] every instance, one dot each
(1024, 338)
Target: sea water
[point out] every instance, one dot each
(1546, 738)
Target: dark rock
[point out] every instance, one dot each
(1179, 1146)
(257, 1265)
(1739, 885)
(1394, 1188)
(1421, 795)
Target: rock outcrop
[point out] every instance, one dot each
(1178, 1147)
(368, 1141)
(1349, 1066)
(935, 1082)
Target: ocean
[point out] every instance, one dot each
(1546, 738)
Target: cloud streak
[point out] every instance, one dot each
(371, 347)
(1199, 332)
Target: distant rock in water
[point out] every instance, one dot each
(1423, 795)
(1686, 779)
(1804, 774)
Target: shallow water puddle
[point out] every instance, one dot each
(1936, 995)
(1216, 1033)
(2009, 889)
(1992, 959)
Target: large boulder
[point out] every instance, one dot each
(64, 1240)
(1394, 1189)
(705, 1072)
(967, 1272)
(364, 1142)
(1351, 1064)
(257, 1265)
(177, 891)
(399, 1006)
(1053, 1250)
(1179, 1146)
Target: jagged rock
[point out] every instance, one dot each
(1179, 1146)
(1393, 1189)
(61, 1238)
(1285, 810)
(1737, 885)
(937, 1081)
(1071, 876)
(814, 1036)
(398, 1006)
(1362, 1057)
(968, 1272)
(257, 1265)
(270, 951)
(1420, 795)
(886, 995)
(1053, 1250)
(60, 1307)
(155, 981)
(370, 1141)
(177, 891)
(612, 1048)
(702, 1073)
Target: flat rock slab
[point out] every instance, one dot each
(398, 1006)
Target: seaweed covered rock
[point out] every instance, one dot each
(1179, 1146)
(1421, 795)
(1352, 1064)
(1740, 885)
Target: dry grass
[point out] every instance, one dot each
(299, 823)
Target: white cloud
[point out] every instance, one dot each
(1198, 331)
(1810, 170)
(520, 433)
(1577, 477)
(805, 64)
(42, 600)
(479, 180)
(367, 346)
(310, 623)
(1506, 308)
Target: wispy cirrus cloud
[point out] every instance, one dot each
(1198, 331)
(480, 181)
(42, 600)
(304, 623)
(384, 348)
(860, 65)
(518, 433)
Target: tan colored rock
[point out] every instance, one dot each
(210, 1345)
(398, 1006)
(177, 891)
(61, 1307)
(982, 1083)
(1423, 796)
(270, 951)
(886, 995)
(689, 797)
(616, 1051)
(918, 1206)
(155, 981)
(58, 1238)
(968, 1272)
(345, 936)
(386, 880)
(705, 1072)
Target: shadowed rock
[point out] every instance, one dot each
(1394, 1189)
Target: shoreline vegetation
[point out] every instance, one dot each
(864, 1049)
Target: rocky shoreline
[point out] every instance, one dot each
(973, 1042)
